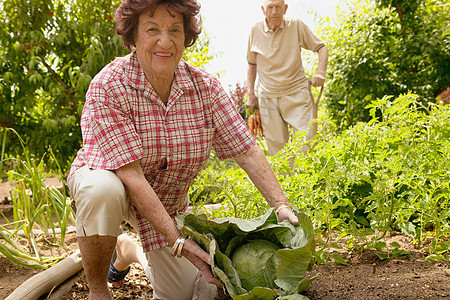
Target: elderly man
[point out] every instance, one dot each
(274, 54)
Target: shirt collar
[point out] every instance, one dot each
(183, 76)
(267, 29)
(133, 72)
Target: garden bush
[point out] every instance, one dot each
(389, 174)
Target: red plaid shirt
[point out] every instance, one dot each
(125, 120)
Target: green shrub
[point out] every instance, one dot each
(388, 174)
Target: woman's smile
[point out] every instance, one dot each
(163, 55)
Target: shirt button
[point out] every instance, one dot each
(163, 164)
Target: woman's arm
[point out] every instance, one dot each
(254, 162)
(147, 202)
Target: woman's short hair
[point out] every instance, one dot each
(127, 17)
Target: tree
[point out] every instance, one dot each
(49, 53)
(50, 50)
(391, 48)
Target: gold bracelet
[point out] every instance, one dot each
(280, 207)
(178, 246)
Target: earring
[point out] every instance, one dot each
(133, 48)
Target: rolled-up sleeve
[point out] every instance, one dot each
(114, 141)
(232, 136)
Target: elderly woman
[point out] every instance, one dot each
(148, 124)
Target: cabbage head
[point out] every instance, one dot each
(254, 264)
(259, 258)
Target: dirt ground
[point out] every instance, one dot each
(365, 276)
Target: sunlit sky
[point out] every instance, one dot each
(228, 23)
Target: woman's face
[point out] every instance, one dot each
(159, 43)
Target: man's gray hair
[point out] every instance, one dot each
(263, 2)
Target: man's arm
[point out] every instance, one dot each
(252, 101)
(319, 79)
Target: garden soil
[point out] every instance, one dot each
(365, 276)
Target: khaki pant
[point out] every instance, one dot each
(102, 204)
(277, 113)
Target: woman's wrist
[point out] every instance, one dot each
(281, 206)
(177, 247)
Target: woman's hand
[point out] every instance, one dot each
(147, 202)
(286, 213)
(199, 258)
(254, 162)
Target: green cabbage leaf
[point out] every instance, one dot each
(221, 237)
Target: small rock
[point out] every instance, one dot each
(447, 272)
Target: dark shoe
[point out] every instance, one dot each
(116, 277)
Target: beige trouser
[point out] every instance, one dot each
(102, 204)
(277, 113)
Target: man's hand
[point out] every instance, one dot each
(317, 80)
(252, 101)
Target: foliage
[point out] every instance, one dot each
(49, 52)
(199, 54)
(35, 207)
(392, 48)
(239, 96)
(225, 183)
(405, 9)
(223, 237)
(390, 174)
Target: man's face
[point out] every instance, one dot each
(274, 11)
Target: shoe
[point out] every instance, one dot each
(116, 277)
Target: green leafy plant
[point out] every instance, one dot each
(394, 251)
(374, 179)
(385, 47)
(225, 183)
(291, 254)
(39, 211)
(389, 174)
